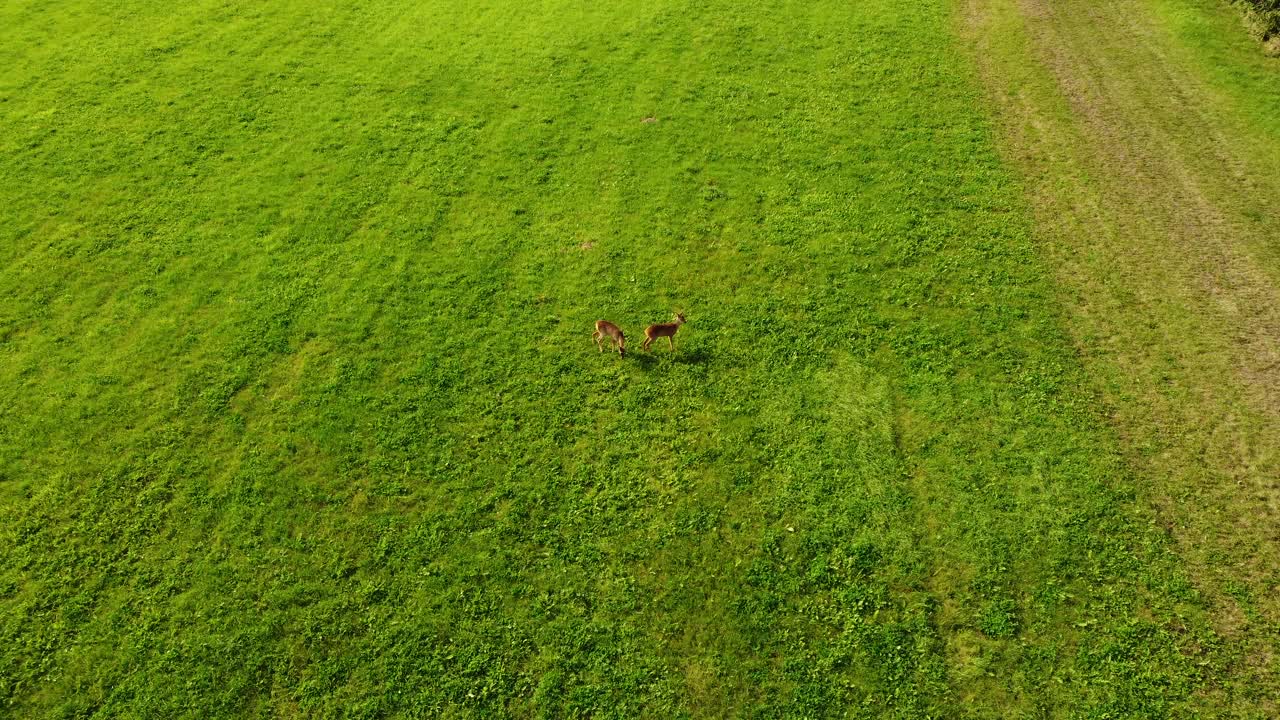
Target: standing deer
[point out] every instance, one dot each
(604, 329)
(666, 330)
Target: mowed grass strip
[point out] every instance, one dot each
(1146, 133)
(303, 416)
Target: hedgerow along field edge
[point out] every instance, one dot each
(305, 417)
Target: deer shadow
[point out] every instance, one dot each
(691, 357)
(649, 360)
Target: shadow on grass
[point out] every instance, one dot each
(648, 360)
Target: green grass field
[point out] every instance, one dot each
(301, 415)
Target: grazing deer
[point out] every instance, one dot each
(666, 330)
(604, 329)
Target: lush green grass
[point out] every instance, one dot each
(302, 415)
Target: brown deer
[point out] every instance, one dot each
(666, 330)
(604, 329)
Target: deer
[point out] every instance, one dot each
(666, 330)
(604, 329)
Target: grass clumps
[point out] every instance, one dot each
(1263, 18)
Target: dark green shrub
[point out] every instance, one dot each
(1264, 15)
